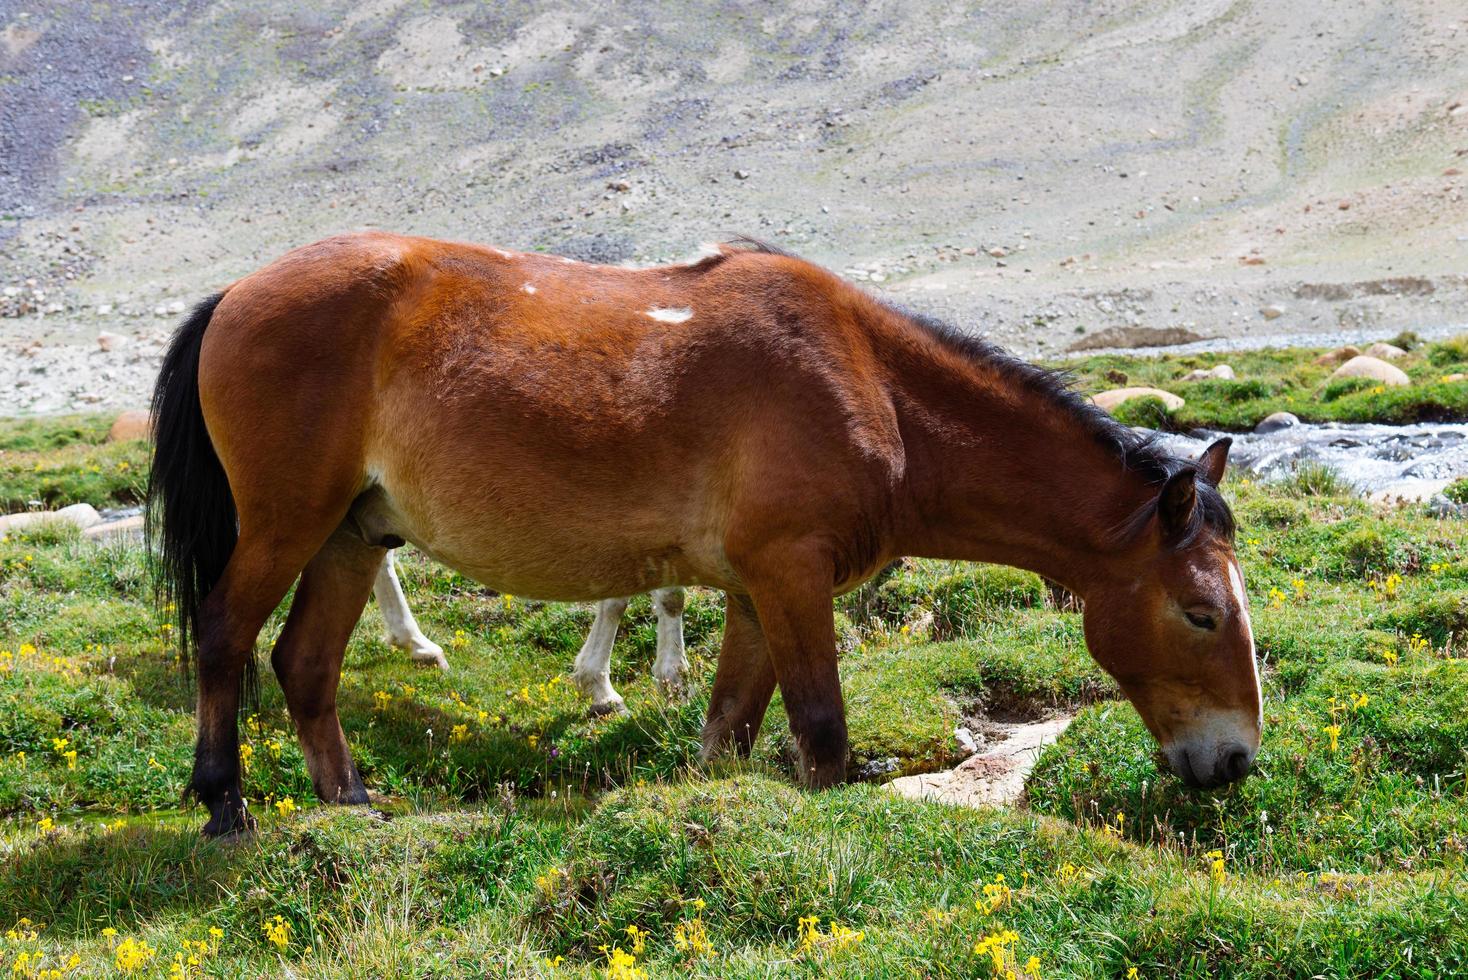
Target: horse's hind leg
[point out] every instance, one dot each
(402, 628)
(259, 573)
(592, 673)
(671, 666)
(308, 658)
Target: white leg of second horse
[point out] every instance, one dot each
(671, 666)
(592, 673)
(402, 628)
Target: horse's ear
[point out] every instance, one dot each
(1176, 502)
(1213, 460)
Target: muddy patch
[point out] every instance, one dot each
(1127, 337)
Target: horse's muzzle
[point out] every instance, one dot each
(1207, 767)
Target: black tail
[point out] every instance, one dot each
(190, 520)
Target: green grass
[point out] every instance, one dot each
(1274, 380)
(520, 831)
(46, 463)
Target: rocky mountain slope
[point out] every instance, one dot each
(1043, 171)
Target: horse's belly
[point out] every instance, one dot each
(558, 554)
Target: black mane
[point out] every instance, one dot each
(1137, 452)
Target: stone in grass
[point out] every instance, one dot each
(1276, 422)
(1218, 371)
(1339, 355)
(81, 515)
(134, 423)
(1386, 352)
(1373, 368)
(1110, 400)
(129, 528)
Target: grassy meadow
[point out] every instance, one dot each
(514, 836)
(1285, 380)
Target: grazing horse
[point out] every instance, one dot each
(592, 673)
(746, 421)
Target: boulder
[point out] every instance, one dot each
(1374, 368)
(1219, 371)
(110, 341)
(1386, 352)
(81, 515)
(1110, 400)
(1276, 422)
(1338, 356)
(129, 528)
(131, 424)
(1272, 312)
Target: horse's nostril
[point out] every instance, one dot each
(1235, 764)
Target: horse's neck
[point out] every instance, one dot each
(999, 474)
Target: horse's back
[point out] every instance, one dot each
(552, 427)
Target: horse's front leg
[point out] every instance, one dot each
(791, 591)
(402, 629)
(671, 666)
(592, 673)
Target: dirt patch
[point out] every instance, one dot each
(1136, 337)
(993, 777)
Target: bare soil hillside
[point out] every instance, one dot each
(1043, 171)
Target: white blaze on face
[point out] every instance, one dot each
(1236, 583)
(670, 314)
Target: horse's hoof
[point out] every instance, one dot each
(430, 658)
(604, 708)
(229, 825)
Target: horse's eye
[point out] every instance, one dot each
(1201, 620)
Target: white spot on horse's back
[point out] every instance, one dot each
(528, 288)
(670, 314)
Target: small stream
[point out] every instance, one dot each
(1410, 461)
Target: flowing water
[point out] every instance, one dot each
(1410, 461)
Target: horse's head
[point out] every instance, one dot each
(1174, 629)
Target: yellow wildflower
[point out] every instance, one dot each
(996, 947)
(278, 931)
(1334, 731)
(285, 807)
(133, 954)
(996, 895)
(621, 965)
(1215, 866)
(692, 938)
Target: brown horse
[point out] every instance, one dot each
(746, 421)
